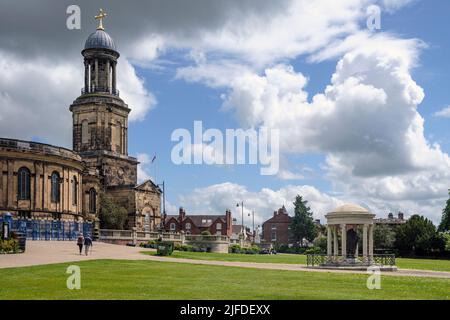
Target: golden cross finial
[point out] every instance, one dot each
(100, 17)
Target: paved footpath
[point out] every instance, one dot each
(50, 252)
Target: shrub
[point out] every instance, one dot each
(321, 242)
(235, 248)
(9, 246)
(314, 250)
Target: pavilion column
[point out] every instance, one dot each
(365, 240)
(370, 242)
(335, 241)
(329, 253)
(96, 73)
(344, 240)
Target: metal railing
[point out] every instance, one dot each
(314, 260)
(112, 91)
(108, 234)
(35, 229)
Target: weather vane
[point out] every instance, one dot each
(100, 17)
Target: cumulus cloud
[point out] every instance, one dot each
(143, 168)
(366, 121)
(444, 113)
(220, 197)
(35, 99)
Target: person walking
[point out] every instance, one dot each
(80, 242)
(87, 244)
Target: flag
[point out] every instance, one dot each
(154, 158)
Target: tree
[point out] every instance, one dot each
(112, 216)
(302, 225)
(383, 237)
(419, 236)
(321, 242)
(445, 221)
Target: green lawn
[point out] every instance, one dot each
(114, 279)
(260, 258)
(420, 264)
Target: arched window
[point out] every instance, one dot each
(74, 191)
(84, 132)
(92, 200)
(55, 187)
(23, 184)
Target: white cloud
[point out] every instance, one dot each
(366, 121)
(143, 168)
(217, 198)
(35, 99)
(133, 91)
(285, 174)
(444, 113)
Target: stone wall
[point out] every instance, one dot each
(41, 160)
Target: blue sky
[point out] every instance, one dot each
(356, 109)
(181, 103)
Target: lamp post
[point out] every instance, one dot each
(242, 206)
(253, 213)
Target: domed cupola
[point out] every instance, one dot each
(100, 61)
(100, 40)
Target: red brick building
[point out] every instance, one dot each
(276, 229)
(196, 224)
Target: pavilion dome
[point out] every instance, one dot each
(350, 208)
(100, 40)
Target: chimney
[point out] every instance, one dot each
(274, 213)
(181, 215)
(229, 222)
(401, 216)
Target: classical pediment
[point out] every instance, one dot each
(148, 186)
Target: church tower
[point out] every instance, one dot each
(100, 116)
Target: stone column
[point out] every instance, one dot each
(344, 240)
(329, 253)
(371, 242)
(114, 76)
(335, 241)
(86, 77)
(108, 77)
(365, 245)
(96, 73)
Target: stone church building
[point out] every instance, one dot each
(41, 181)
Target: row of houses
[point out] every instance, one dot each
(275, 230)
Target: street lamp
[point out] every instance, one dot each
(242, 206)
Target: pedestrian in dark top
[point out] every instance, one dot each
(80, 242)
(87, 244)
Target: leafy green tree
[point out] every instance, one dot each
(445, 221)
(322, 243)
(302, 225)
(383, 236)
(419, 236)
(112, 215)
